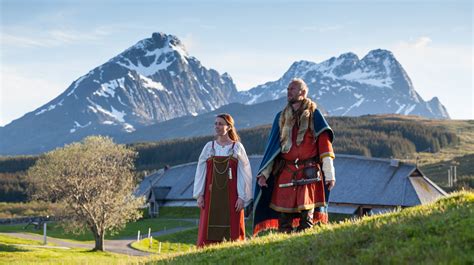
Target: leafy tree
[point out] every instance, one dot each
(93, 181)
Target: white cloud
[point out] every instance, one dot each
(190, 42)
(25, 37)
(21, 94)
(422, 42)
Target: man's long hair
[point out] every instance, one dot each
(230, 122)
(301, 84)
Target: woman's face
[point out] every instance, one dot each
(221, 126)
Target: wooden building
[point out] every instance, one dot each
(364, 185)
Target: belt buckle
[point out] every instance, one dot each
(296, 163)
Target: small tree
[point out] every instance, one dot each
(94, 181)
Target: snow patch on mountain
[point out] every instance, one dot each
(77, 125)
(148, 83)
(108, 88)
(49, 107)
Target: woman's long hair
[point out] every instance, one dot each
(230, 122)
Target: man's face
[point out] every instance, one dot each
(294, 93)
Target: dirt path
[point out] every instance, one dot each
(121, 246)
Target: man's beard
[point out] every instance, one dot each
(294, 100)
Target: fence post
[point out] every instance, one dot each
(138, 236)
(45, 239)
(449, 178)
(455, 175)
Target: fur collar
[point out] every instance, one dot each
(289, 117)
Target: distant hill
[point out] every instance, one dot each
(438, 233)
(378, 136)
(374, 136)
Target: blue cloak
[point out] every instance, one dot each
(261, 211)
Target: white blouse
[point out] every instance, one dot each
(244, 172)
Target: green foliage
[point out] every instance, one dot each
(16, 163)
(389, 136)
(26, 209)
(93, 181)
(377, 136)
(438, 233)
(13, 187)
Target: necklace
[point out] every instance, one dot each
(221, 172)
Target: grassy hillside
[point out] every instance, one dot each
(439, 233)
(436, 166)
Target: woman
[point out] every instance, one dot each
(222, 185)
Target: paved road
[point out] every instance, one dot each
(121, 246)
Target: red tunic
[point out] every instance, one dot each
(305, 197)
(236, 219)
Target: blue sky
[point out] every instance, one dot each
(46, 45)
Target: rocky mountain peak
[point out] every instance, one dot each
(349, 86)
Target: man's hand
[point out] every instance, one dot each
(262, 181)
(200, 201)
(330, 184)
(239, 205)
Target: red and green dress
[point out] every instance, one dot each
(222, 176)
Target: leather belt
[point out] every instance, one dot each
(305, 163)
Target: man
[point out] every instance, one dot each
(291, 185)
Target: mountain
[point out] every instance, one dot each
(347, 86)
(153, 81)
(155, 90)
(245, 116)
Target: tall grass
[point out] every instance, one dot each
(438, 233)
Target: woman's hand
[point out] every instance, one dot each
(262, 181)
(200, 201)
(239, 205)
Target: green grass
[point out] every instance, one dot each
(179, 212)
(24, 255)
(438, 233)
(186, 240)
(12, 254)
(173, 243)
(6, 240)
(129, 231)
(178, 242)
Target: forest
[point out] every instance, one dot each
(372, 136)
